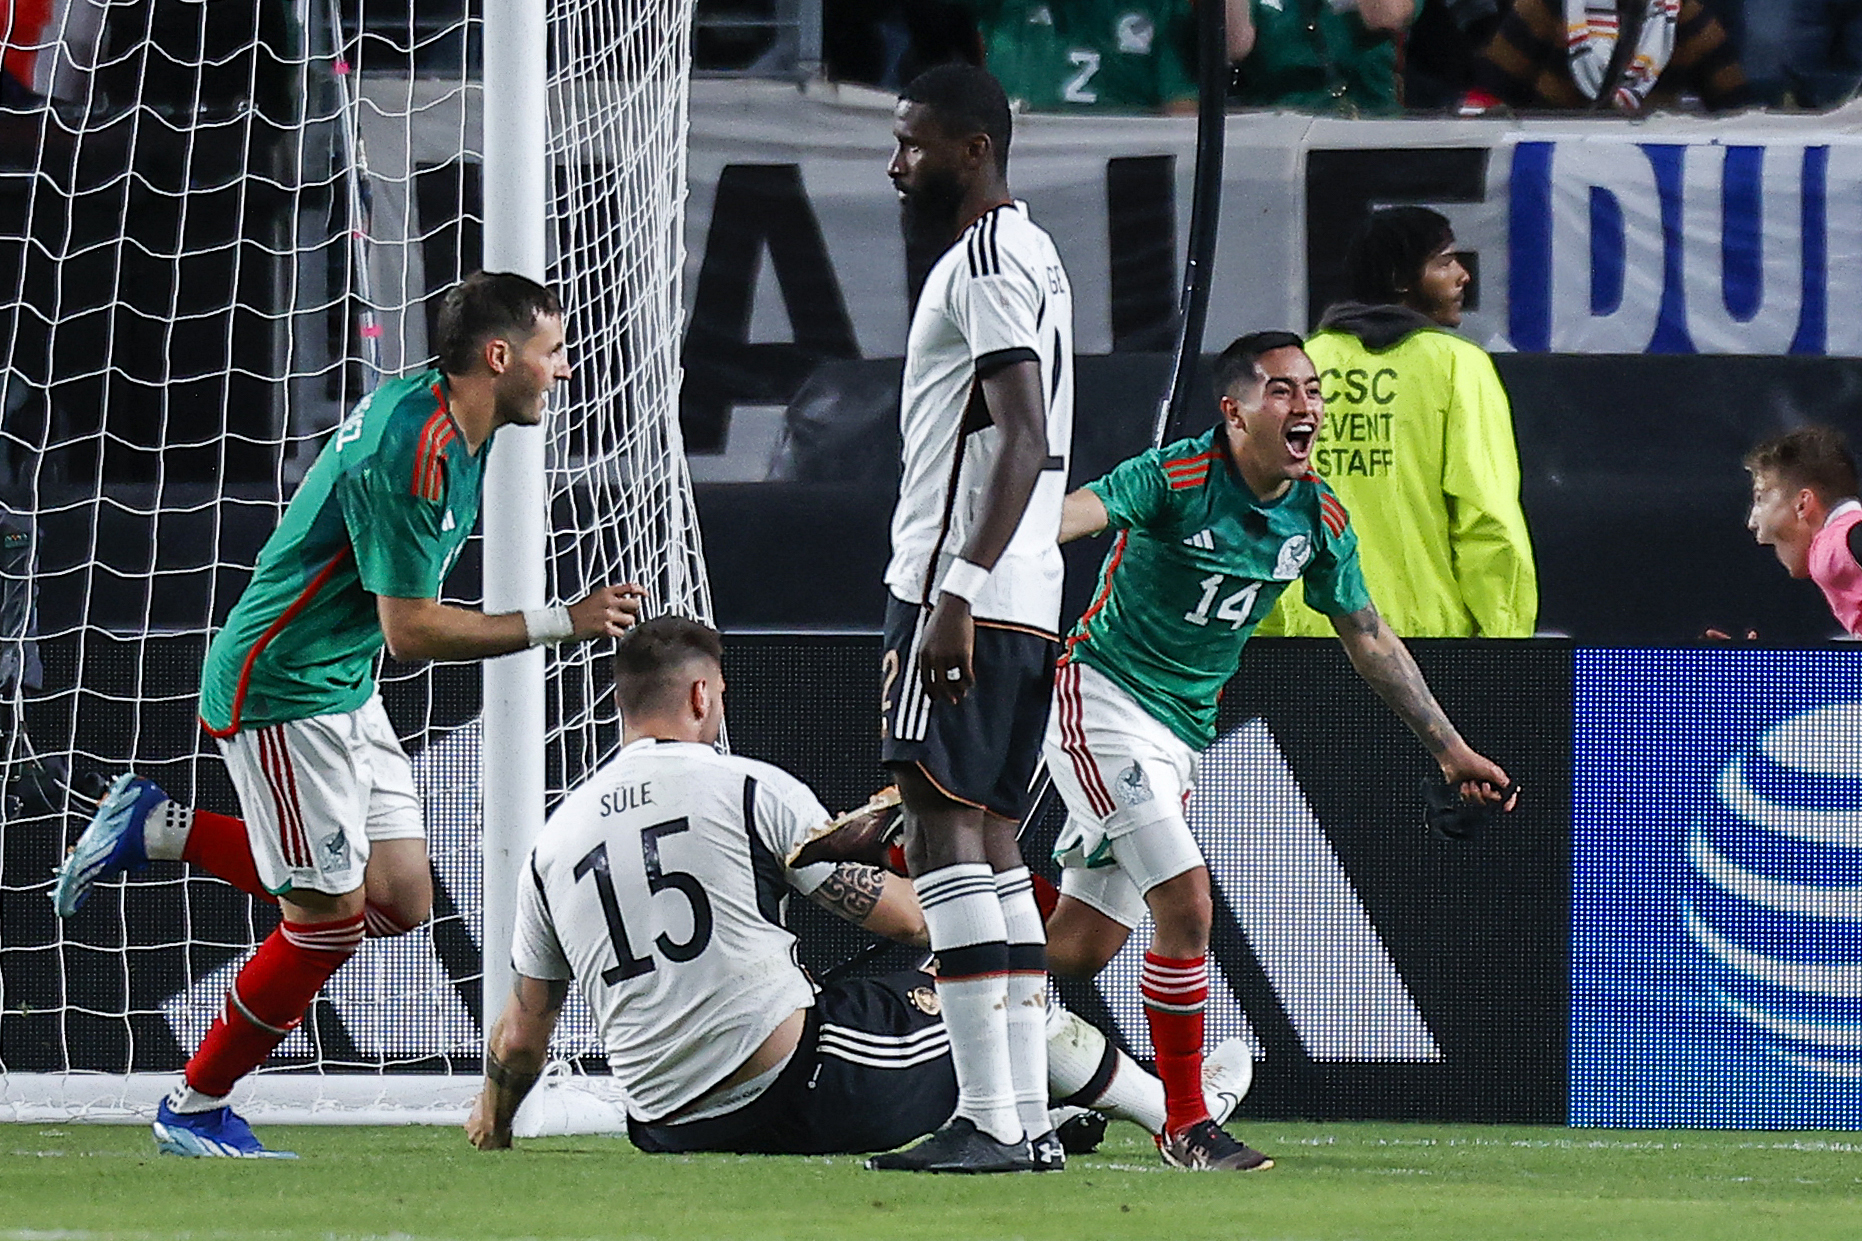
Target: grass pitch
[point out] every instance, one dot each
(1334, 1181)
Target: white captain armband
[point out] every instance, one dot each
(964, 579)
(548, 626)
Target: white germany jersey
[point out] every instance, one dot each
(658, 886)
(999, 295)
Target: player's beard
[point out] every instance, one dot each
(929, 211)
(522, 408)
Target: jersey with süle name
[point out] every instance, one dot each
(659, 887)
(384, 510)
(998, 296)
(1198, 561)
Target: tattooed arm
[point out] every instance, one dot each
(514, 1057)
(1387, 667)
(878, 900)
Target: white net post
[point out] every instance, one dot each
(516, 46)
(229, 223)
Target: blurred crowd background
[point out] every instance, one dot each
(1352, 57)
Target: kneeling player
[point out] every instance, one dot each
(1211, 530)
(658, 887)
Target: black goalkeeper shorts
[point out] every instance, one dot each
(871, 1073)
(983, 749)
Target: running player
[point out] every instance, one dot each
(332, 829)
(1211, 530)
(974, 607)
(658, 888)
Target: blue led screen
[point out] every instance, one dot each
(1716, 969)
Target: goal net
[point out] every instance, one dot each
(221, 223)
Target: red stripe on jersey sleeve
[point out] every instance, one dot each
(1201, 459)
(436, 462)
(423, 453)
(258, 648)
(1105, 592)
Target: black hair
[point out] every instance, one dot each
(1386, 257)
(484, 305)
(1236, 364)
(648, 660)
(1816, 457)
(965, 100)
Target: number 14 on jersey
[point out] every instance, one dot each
(1233, 609)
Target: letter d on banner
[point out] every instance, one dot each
(1606, 247)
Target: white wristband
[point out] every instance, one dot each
(548, 626)
(964, 579)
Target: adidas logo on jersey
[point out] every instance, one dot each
(1204, 539)
(446, 523)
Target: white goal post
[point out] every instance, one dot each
(220, 225)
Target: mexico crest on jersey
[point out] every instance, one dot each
(925, 1000)
(1134, 789)
(1294, 553)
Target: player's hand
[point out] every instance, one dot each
(1479, 778)
(606, 611)
(480, 1130)
(944, 657)
(1720, 635)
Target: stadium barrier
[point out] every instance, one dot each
(1664, 933)
(1630, 479)
(1631, 484)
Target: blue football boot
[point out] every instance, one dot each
(110, 845)
(218, 1134)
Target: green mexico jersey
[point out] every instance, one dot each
(384, 510)
(1199, 560)
(1088, 55)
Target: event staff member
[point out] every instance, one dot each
(1418, 443)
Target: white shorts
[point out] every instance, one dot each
(1126, 779)
(315, 792)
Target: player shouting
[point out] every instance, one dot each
(1804, 508)
(1211, 530)
(973, 613)
(332, 826)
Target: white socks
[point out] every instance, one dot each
(969, 936)
(164, 836)
(185, 1099)
(1027, 997)
(1086, 1070)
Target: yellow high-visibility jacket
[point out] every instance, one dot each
(1418, 443)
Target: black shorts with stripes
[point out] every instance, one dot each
(982, 749)
(872, 1072)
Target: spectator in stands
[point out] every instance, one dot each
(887, 43)
(1628, 55)
(1318, 55)
(1417, 441)
(1809, 52)
(1092, 55)
(1438, 55)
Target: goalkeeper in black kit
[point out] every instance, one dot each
(657, 890)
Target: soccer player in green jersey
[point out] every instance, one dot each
(1210, 531)
(332, 827)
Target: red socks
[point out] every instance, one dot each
(269, 997)
(217, 844)
(1174, 993)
